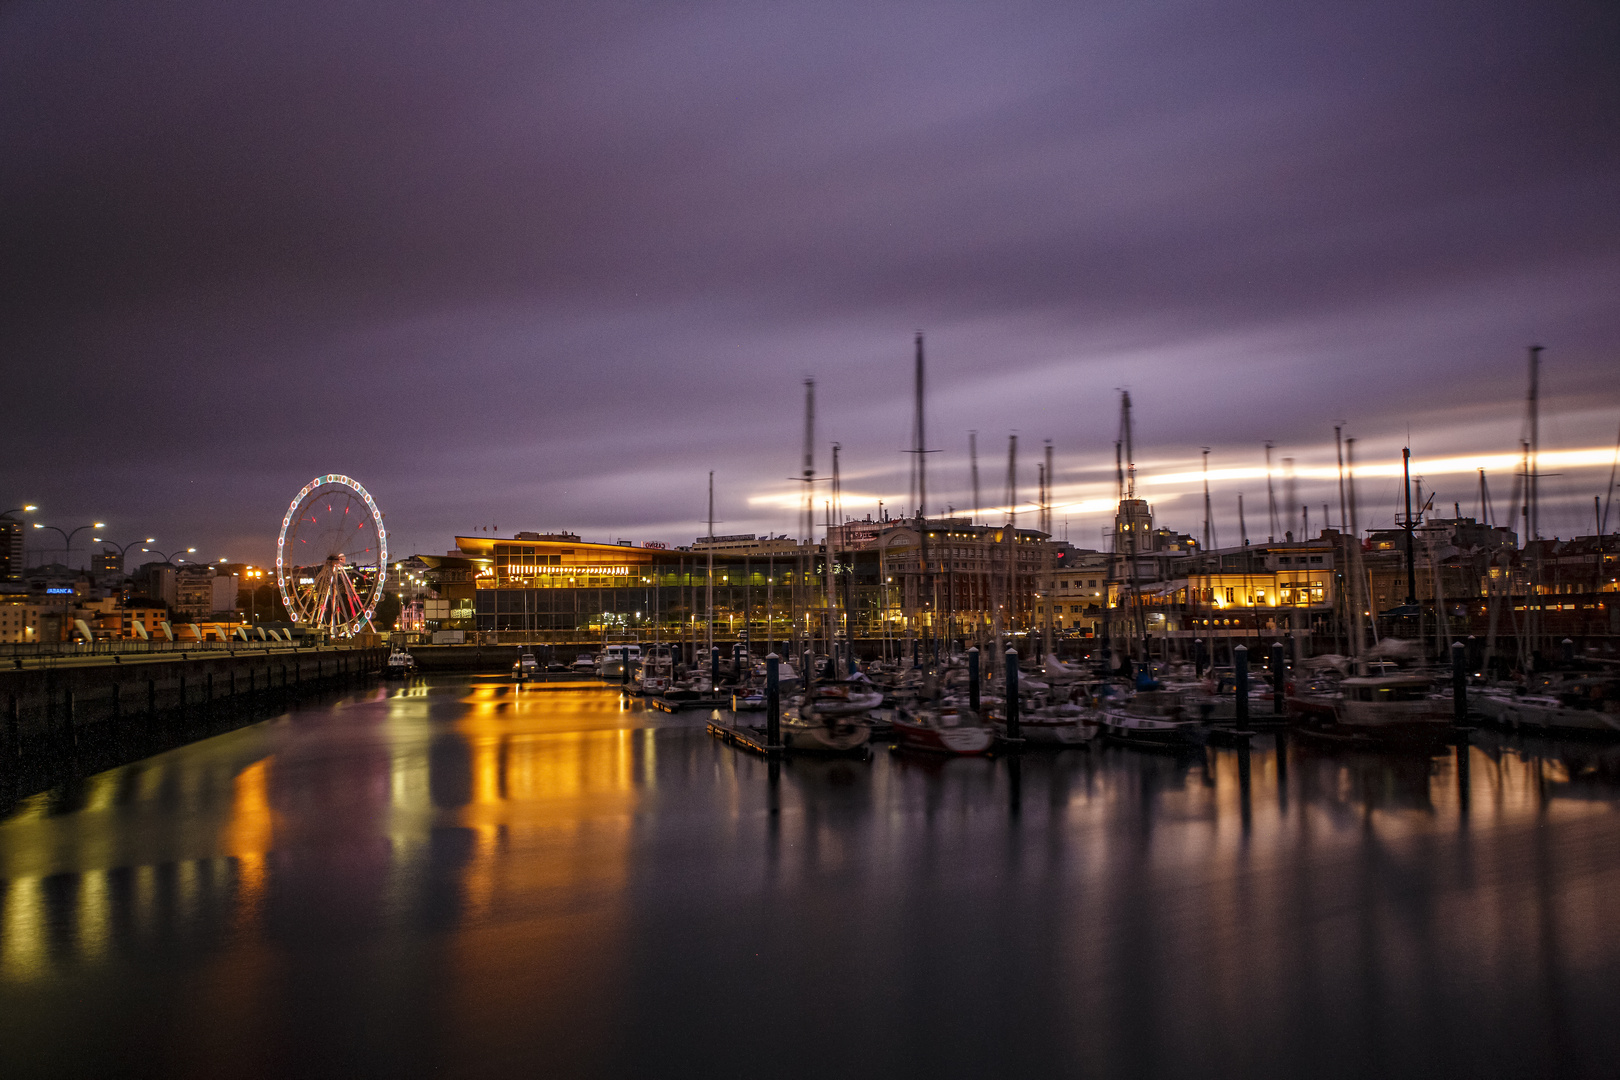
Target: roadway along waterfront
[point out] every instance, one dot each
(462, 877)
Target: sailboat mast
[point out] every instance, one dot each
(832, 603)
(1209, 539)
(834, 515)
(1406, 489)
(708, 637)
(1608, 499)
(802, 593)
(1132, 526)
(1011, 535)
(1532, 467)
(1130, 452)
(922, 437)
(1271, 497)
(1338, 447)
(1047, 644)
(1535, 439)
(1357, 634)
(973, 463)
(925, 583)
(1119, 470)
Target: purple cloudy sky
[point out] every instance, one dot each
(545, 265)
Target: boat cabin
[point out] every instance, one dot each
(1380, 688)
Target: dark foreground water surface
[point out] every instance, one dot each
(467, 879)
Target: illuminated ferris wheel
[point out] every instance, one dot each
(332, 556)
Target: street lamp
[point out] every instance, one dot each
(67, 537)
(122, 548)
(171, 557)
(253, 590)
(20, 510)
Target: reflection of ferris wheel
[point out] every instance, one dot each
(332, 556)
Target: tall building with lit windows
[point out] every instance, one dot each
(540, 582)
(11, 550)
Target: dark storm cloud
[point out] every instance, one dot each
(547, 265)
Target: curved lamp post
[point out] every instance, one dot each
(122, 548)
(67, 537)
(170, 558)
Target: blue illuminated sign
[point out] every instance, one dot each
(60, 592)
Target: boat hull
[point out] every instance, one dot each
(966, 740)
(1052, 733)
(1544, 713)
(843, 738)
(1153, 732)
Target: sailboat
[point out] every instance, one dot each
(945, 728)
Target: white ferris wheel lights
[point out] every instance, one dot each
(330, 569)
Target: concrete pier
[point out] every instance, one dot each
(46, 704)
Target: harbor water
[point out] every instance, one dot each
(463, 877)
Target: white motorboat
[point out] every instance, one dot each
(852, 698)
(1155, 718)
(611, 664)
(1586, 705)
(401, 665)
(526, 668)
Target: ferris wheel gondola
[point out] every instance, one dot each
(332, 556)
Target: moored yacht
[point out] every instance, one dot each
(1386, 708)
(1154, 718)
(943, 729)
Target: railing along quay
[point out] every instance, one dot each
(57, 700)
